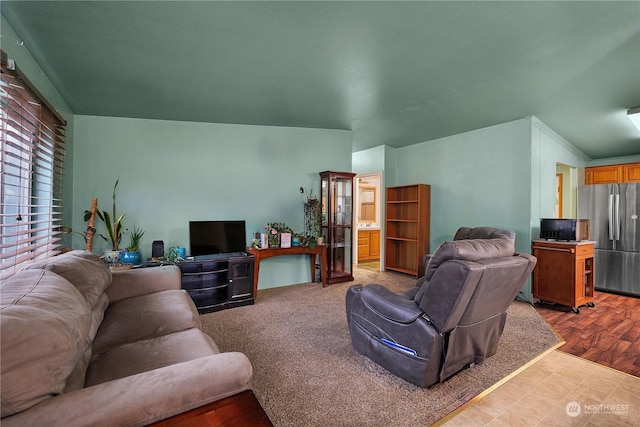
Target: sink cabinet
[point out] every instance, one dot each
(368, 245)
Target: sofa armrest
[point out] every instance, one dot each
(142, 281)
(144, 398)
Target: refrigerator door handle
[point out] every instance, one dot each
(617, 218)
(611, 217)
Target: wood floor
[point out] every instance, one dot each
(608, 334)
(239, 410)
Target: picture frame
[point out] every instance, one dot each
(285, 240)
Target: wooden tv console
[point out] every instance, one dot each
(217, 282)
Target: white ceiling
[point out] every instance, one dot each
(394, 73)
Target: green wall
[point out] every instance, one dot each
(171, 172)
(500, 176)
(547, 149)
(479, 178)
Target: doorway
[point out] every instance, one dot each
(566, 191)
(559, 195)
(368, 215)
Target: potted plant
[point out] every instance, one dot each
(274, 231)
(131, 254)
(313, 217)
(115, 230)
(172, 256)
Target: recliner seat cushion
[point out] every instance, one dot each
(44, 323)
(144, 317)
(397, 307)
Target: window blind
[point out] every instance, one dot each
(31, 161)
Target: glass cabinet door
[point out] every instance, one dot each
(337, 223)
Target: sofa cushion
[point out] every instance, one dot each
(145, 355)
(145, 316)
(84, 270)
(468, 250)
(91, 276)
(44, 324)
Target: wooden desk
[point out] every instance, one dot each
(294, 250)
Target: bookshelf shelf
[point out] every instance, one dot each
(407, 228)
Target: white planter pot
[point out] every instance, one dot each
(111, 257)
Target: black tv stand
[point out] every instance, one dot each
(219, 281)
(216, 256)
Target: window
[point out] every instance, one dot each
(31, 164)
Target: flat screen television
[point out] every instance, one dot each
(217, 237)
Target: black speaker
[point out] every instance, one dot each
(157, 249)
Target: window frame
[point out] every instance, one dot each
(32, 152)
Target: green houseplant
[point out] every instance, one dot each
(172, 256)
(313, 218)
(132, 254)
(114, 225)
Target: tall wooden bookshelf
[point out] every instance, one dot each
(407, 228)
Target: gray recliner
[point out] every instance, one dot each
(453, 318)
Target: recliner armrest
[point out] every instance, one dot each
(396, 307)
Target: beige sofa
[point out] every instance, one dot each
(82, 346)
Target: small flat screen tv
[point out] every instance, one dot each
(217, 237)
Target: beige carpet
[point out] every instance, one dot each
(306, 373)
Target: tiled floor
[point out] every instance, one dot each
(370, 265)
(558, 389)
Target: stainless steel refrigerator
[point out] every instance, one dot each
(613, 211)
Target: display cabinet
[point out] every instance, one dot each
(336, 197)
